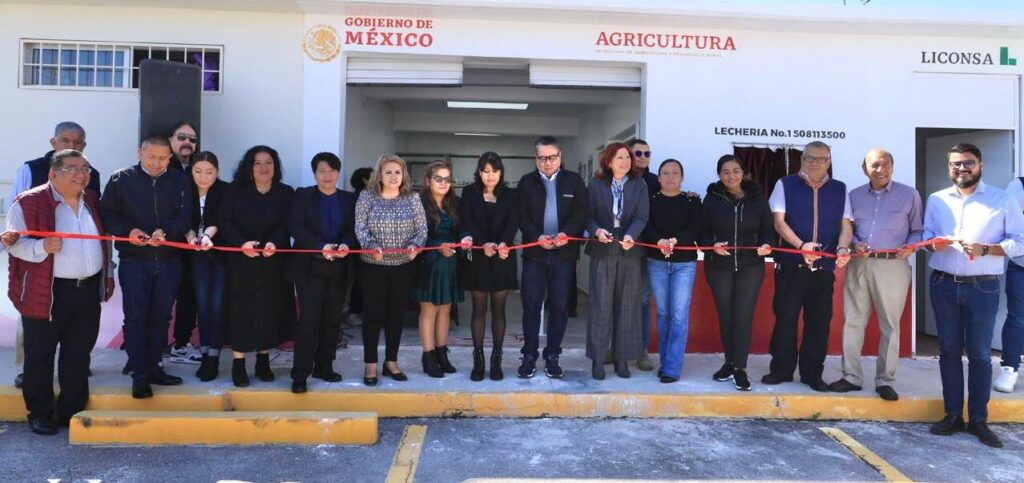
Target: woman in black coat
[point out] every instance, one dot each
(735, 213)
(488, 212)
(322, 219)
(255, 217)
(208, 269)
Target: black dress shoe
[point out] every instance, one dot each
(19, 380)
(597, 371)
(299, 386)
(772, 379)
(843, 385)
(398, 376)
(984, 434)
(164, 379)
(949, 425)
(818, 385)
(42, 426)
(369, 380)
(326, 374)
(887, 393)
(667, 379)
(141, 389)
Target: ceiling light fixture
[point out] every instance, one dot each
(515, 106)
(480, 134)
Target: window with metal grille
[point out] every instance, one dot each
(109, 66)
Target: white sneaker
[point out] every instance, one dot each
(186, 355)
(1006, 379)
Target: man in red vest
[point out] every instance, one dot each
(57, 284)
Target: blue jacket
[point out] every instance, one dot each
(134, 199)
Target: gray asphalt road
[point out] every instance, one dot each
(458, 449)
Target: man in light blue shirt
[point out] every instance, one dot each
(979, 225)
(1013, 327)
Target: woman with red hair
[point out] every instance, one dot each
(618, 212)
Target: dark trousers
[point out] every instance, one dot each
(185, 306)
(800, 289)
(386, 292)
(735, 293)
(965, 316)
(74, 327)
(321, 306)
(148, 290)
(208, 273)
(548, 278)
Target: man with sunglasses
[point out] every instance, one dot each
(57, 285)
(553, 205)
(812, 214)
(33, 173)
(977, 226)
(184, 145)
(642, 153)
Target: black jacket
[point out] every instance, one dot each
(473, 219)
(744, 222)
(134, 199)
(304, 226)
(572, 211)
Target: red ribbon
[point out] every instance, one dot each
(187, 246)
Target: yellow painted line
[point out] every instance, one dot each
(403, 467)
(222, 428)
(888, 471)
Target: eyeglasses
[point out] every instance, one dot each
(192, 138)
(73, 169)
(642, 154)
(969, 164)
(440, 180)
(817, 159)
(549, 159)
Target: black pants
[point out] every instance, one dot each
(798, 288)
(735, 293)
(185, 305)
(321, 305)
(74, 327)
(386, 292)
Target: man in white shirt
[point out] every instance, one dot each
(978, 225)
(1013, 327)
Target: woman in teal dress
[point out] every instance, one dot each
(437, 284)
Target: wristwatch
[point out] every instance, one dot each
(843, 251)
(984, 250)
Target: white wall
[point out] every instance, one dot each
(260, 104)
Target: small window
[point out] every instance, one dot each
(62, 64)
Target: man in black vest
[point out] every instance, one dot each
(36, 172)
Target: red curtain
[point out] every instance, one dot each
(766, 165)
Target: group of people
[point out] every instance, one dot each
(431, 246)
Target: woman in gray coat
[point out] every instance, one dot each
(619, 207)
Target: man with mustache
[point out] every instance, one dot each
(978, 225)
(184, 145)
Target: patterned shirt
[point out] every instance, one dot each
(390, 223)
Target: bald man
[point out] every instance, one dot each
(886, 216)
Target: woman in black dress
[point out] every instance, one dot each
(255, 217)
(488, 213)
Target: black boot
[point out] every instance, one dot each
(209, 368)
(238, 375)
(496, 374)
(263, 368)
(430, 366)
(477, 374)
(442, 359)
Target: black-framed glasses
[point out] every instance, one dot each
(549, 159)
(192, 138)
(441, 180)
(817, 159)
(969, 164)
(642, 154)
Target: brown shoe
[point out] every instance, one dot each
(644, 363)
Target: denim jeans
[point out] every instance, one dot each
(1013, 328)
(965, 314)
(547, 279)
(208, 281)
(672, 286)
(149, 288)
